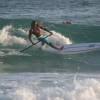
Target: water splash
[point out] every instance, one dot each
(7, 39)
(60, 39)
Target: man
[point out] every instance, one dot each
(35, 30)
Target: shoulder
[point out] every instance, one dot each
(30, 30)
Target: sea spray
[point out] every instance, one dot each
(7, 39)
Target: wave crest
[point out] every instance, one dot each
(7, 39)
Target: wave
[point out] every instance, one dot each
(7, 39)
(50, 86)
(15, 31)
(14, 37)
(10, 35)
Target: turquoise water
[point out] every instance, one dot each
(37, 74)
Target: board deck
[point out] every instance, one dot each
(80, 48)
(76, 48)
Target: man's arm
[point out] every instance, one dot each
(46, 30)
(30, 34)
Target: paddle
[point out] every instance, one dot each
(35, 43)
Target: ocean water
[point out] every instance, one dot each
(37, 74)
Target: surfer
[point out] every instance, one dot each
(35, 30)
(67, 22)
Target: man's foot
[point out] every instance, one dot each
(61, 48)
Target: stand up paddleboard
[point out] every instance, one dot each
(80, 48)
(77, 48)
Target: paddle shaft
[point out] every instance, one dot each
(34, 43)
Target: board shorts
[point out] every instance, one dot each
(44, 39)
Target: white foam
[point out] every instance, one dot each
(58, 37)
(7, 39)
(24, 31)
(88, 89)
(1, 53)
(9, 52)
(25, 94)
(50, 86)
